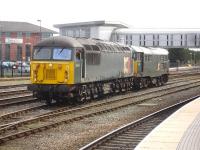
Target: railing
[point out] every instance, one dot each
(14, 70)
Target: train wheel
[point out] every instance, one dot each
(145, 83)
(100, 91)
(158, 83)
(91, 94)
(81, 97)
(119, 87)
(126, 86)
(49, 98)
(162, 81)
(112, 88)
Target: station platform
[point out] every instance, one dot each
(14, 81)
(180, 131)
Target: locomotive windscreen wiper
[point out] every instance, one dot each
(38, 50)
(61, 51)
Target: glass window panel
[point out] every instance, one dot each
(19, 34)
(7, 34)
(42, 53)
(62, 54)
(28, 34)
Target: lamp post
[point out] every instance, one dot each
(194, 59)
(40, 29)
(191, 58)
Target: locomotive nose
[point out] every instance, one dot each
(56, 73)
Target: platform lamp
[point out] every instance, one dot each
(1, 44)
(39, 20)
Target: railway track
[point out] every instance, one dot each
(15, 94)
(26, 96)
(7, 120)
(13, 86)
(180, 75)
(35, 108)
(24, 111)
(128, 136)
(44, 122)
(15, 100)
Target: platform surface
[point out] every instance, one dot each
(180, 131)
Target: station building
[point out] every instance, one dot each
(18, 38)
(122, 33)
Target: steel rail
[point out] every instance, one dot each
(127, 137)
(77, 118)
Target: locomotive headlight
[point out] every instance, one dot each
(50, 65)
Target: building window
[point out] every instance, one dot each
(77, 33)
(172, 42)
(118, 38)
(185, 39)
(19, 52)
(70, 33)
(19, 34)
(7, 56)
(181, 40)
(195, 40)
(87, 32)
(0, 51)
(167, 40)
(28, 34)
(82, 33)
(28, 52)
(131, 40)
(127, 40)
(45, 35)
(7, 34)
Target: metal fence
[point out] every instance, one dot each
(14, 70)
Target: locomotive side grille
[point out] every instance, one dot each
(50, 74)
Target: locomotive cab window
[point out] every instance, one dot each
(49, 53)
(78, 56)
(62, 54)
(43, 53)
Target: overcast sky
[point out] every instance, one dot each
(137, 13)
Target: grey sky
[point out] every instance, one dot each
(138, 13)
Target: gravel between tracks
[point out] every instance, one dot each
(77, 134)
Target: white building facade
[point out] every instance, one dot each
(119, 32)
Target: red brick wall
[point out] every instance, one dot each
(32, 40)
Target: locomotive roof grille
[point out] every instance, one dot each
(91, 47)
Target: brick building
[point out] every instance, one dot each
(18, 38)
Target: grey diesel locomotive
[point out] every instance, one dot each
(78, 69)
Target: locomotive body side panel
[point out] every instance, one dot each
(112, 65)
